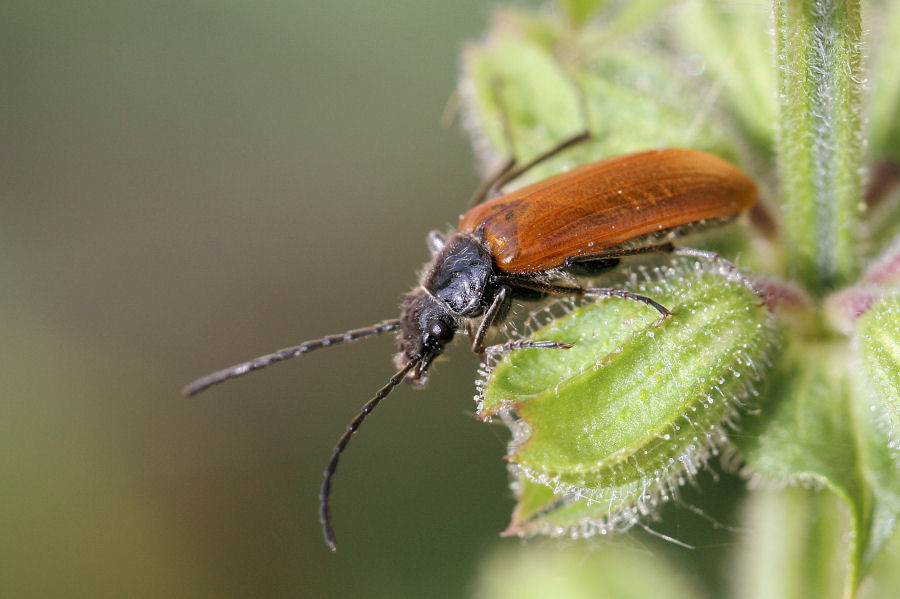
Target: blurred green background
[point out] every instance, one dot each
(190, 184)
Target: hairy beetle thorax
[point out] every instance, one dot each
(452, 290)
(459, 274)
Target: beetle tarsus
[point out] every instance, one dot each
(525, 344)
(621, 293)
(721, 261)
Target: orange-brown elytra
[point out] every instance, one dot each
(606, 204)
(528, 245)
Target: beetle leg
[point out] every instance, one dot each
(489, 317)
(525, 344)
(491, 188)
(718, 259)
(661, 248)
(664, 248)
(612, 292)
(484, 190)
(549, 288)
(514, 173)
(495, 188)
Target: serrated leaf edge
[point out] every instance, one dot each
(683, 468)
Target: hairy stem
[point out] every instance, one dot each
(820, 142)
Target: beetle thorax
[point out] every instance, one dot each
(452, 289)
(459, 274)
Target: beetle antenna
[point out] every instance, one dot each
(325, 492)
(287, 353)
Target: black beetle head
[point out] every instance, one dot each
(426, 326)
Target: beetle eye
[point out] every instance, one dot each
(441, 331)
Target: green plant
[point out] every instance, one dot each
(603, 434)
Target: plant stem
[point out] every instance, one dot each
(820, 139)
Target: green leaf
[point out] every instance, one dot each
(815, 426)
(792, 547)
(879, 348)
(515, 78)
(542, 81)
(883, 222)
(820, 88)
(885, 572)
(580, 10)
(731, 46)
(623, 18)
(608, 429)
(884, 102)
(572, 573)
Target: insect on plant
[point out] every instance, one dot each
(531, 244)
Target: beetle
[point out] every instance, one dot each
(531, 244)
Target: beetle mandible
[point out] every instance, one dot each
(530, 244)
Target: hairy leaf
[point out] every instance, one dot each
(612, 427)
(816, 426)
